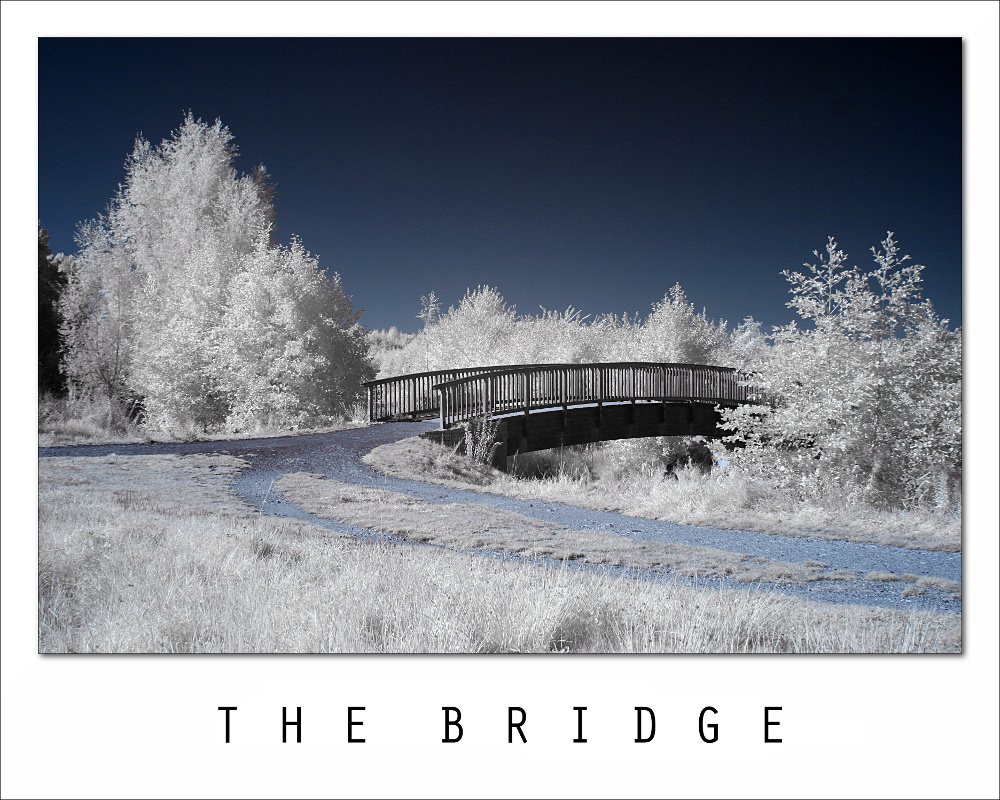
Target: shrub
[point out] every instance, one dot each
(481, 438)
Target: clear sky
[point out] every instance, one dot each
(587, 172)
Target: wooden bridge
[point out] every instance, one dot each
(539, 406)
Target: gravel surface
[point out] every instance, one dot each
(338, 455)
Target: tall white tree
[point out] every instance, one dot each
(164, 274)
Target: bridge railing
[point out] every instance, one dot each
(413, 395)
(527, 387)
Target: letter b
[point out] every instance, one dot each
(452, 723)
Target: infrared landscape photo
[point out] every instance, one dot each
(500, 345)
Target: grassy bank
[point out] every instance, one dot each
(155, 554)
(468, 527)
(720, 499)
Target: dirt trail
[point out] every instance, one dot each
(338, 455)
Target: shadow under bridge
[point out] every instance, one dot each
(540, 406)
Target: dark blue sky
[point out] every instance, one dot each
(587, 172)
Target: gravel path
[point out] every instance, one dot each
(338, 455)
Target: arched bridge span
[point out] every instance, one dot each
(540, 406)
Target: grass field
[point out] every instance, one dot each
(155, 554)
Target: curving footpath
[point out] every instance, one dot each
(338, 455)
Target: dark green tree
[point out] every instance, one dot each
(50, 286)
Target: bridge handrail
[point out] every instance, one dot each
(517, 389)
(412, 394)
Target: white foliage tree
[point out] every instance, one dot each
(98, 312)
(674, 332)
(747, 347)
(555, 337)
(289, 346)
(478, 332)
(865, 395)
(165, 274)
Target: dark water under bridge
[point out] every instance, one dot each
(540, 406)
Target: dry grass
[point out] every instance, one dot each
(940, 583)
(156, 555)
(920, 581)
(74, 419)
(882, 576)
(721, 499)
